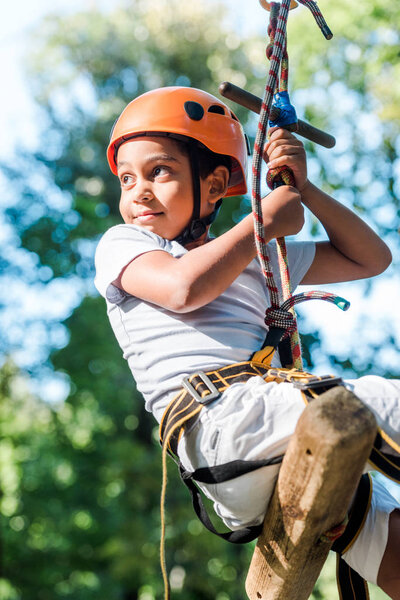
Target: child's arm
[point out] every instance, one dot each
(198, 277)
(353, 251)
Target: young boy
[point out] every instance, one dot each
(181, 303)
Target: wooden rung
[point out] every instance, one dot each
(316, 483)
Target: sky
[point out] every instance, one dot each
(17, 120)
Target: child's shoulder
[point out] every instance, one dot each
(127, 234)
(127, 231)
(119, 238)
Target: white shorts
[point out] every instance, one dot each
(255, 420)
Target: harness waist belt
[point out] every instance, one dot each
(202, 388)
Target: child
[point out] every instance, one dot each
(181, 303)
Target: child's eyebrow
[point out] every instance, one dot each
(152, 158)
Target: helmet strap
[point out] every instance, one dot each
(197, 225)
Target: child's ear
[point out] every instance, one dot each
(218, 183)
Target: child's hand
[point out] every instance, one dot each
(283, 212)
(283, 148)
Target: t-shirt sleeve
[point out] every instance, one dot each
(116, 249)
(300, 257)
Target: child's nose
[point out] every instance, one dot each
(143, 191)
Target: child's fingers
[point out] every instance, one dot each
(281, 136)
(282, 141)
(286, 160)
(283, 149)
(276, 133)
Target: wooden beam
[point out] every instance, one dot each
(316, 483)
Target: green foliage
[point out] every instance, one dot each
(350, 85)
(80, 486)
(362, 56)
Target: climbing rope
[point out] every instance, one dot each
(280, 315)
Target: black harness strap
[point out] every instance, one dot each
(199, 390)
(219, 474)
(385, 456)
(351, 585)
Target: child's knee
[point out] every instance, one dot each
(389, 573)
(366, 553)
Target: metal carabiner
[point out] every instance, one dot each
(267, 5)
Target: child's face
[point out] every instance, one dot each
(156, 185)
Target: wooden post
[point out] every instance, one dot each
(316, 483)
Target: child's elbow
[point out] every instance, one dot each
(388, 258)
(182, 300)
(382, 262)
(189, 296)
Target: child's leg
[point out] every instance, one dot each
(382, 396)
(389, 570)
(373, 549)
(251, 421)
(256, 420)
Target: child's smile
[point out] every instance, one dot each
(147, 216)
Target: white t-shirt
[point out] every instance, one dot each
(161, 346)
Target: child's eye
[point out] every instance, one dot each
(126, 179)
(161, 170)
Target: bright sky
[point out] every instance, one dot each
(16, 114)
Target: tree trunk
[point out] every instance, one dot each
(317, 481)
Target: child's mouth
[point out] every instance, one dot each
(147, 216)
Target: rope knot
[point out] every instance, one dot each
(269, 50)
(280, 176)
(279, 317)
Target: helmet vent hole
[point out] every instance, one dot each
(234, 116)
(194, 110)
(216, 108)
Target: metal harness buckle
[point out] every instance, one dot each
(323, 381)
(214, 393)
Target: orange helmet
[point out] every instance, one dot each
(187, 112)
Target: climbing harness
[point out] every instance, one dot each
(199, 390)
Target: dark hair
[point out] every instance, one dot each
(208, 161)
